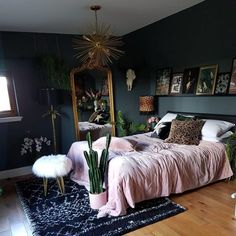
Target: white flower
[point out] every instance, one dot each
(48, 142)
(34, 145)
(152, 119)
(23, 151)
(38, 148)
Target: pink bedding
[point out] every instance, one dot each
(153, 170)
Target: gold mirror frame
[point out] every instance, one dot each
(74, 98)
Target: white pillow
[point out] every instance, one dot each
(215, 128)
(168, 117)
(218, 139)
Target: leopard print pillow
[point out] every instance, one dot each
(185, 132)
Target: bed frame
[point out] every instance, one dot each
(229, 118)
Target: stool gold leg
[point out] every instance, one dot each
(62, 184)
(45, 186)
(59, 184)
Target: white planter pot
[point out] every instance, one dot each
(98, 200)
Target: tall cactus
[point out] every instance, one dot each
(96, 172)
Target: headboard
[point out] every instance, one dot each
(229, 118)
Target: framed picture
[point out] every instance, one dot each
(207, 80)
(163, 81)
(232, 86)
(222, 83)
(176, 83)
(190, 77)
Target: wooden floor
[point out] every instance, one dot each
(210, 212)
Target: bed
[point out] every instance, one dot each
(154, 169)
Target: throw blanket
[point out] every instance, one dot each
(154, 169)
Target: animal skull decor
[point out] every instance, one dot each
(130, 75)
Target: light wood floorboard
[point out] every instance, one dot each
(210, 212)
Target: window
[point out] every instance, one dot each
(8, 107)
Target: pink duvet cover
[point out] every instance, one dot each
(154, 169)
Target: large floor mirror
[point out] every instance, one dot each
(92, 101)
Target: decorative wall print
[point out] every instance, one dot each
(130, 77)
(206, 80)
(222, 83)
(176, 83)
(232, 86)
(163, 81)
(189, 80)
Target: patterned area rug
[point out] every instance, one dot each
(70, 214)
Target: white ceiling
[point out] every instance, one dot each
(74, 16)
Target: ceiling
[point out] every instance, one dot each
(74, 16)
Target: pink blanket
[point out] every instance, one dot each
(154, 169)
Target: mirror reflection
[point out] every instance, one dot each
(92, 98)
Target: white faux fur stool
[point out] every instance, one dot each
(52, 166)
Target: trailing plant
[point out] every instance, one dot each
(55, 72)
(96, 170)
(128, 127)
(231, 152)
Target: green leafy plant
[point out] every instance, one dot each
(128, 127)
(55, 72)
(96, 170)
(231, 152)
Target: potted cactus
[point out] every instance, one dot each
(97, 170)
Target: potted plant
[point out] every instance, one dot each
(151, 122)
(97, 170)
(55, 72)
(127, 127)
(231, 152)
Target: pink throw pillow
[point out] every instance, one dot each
(116, 145)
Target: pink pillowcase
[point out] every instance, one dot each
(116, 145)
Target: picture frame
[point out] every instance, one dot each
(207, 80)
(163, 81)
(222, 83)
(232, 85)
(190, 78)
(176, 83)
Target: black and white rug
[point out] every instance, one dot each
(70, 214)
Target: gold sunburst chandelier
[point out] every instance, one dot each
(99, 47)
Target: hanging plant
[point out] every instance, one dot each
(55, 72)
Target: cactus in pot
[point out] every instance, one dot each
(97, 169)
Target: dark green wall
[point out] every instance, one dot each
(18, 55)
(202, 35)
